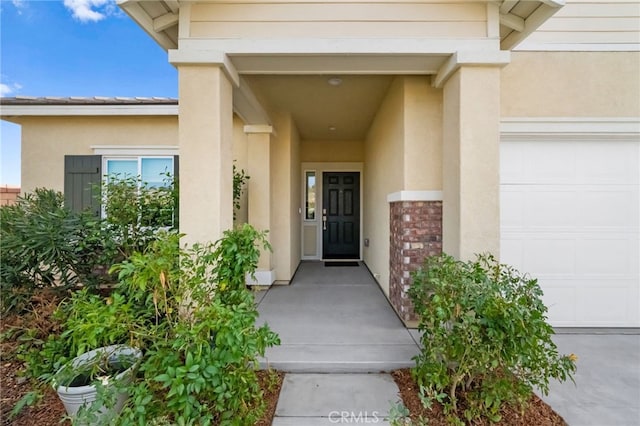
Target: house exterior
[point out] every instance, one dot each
(386, 131)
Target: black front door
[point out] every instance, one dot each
(341, 215)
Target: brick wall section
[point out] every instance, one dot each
(8, 195)
(416, 232)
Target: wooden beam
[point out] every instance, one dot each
(165, 21)
(507, 5)
(173, 5)
(512, 21)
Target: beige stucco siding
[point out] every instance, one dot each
(571, 84)
(46, 140)
(331, 151)
(337, 19)
(285, 198)
(422, 135)
(383, 174)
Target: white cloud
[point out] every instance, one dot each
(19, 5)
(5, 90)
(90, 10)
(8, 89)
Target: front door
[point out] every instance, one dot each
(341, 215)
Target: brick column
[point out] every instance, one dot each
(416, 232)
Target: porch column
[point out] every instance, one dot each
(259, 195)
(471, 161)
(205, 144)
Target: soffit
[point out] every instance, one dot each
(320, 110)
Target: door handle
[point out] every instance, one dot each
(324, 222)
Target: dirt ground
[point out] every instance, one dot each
(537, 413)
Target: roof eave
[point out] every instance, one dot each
(10, 112)
(522, 28)
(138, 14)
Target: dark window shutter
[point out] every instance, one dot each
(176, 174)
(81, 174)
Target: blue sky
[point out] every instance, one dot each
(73, 48)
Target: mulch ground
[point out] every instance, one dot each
(537, 412)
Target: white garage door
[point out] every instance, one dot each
(570, 216)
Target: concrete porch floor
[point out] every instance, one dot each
(334, 320)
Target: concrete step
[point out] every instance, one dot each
(344, 358)
(323, 399)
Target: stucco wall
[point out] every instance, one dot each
(46, 140)
(422, 135)
(285, 188)
(383, 174)
(332, 151)
(571, 84)
(335, 19)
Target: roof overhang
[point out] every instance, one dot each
(518, 18)
(26, 106)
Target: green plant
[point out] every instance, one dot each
(239, 181)
(135, 211)
(195, 319)
(45, 245)
(485, 337)
(399, 414)
(199, 366)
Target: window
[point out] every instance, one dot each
(310, 195)
(145, 184)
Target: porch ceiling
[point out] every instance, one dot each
(323, 111)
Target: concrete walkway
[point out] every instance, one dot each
(340, 336)
(335, 320)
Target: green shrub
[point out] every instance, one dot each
(485, 337)
(135, 210)
(192, 315)
(45, 245)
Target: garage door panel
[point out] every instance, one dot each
(607, 257)
(550, 208)
(598, 163)
(570, 216)
(590, 303)
(558, 300)
(606, 304)
(608, 207)
(512, 208)
(550, 256)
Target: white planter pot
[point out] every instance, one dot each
(74, 397)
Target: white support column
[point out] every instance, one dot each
(205, 145)
(471, 161)
(259, 193)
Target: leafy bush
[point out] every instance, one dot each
(45, 244)
(191, 313)
(135, 210)
(485, 337)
